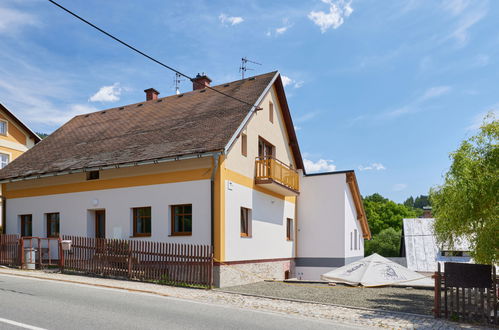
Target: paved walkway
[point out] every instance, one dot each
(354, 316)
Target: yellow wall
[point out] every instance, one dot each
(14, 134)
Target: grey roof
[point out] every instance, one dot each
(421, 249)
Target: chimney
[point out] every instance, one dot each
(151, 94)
(201, 81)
(427, 212)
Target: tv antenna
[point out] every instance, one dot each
(177, 82)
(244, 66)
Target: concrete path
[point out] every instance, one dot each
(53, 300)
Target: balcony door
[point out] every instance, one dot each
(265, 149)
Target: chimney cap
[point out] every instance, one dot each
(152, 90)
(202, 75)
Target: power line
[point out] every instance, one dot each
(145, 55)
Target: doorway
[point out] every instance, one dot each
(100, 224)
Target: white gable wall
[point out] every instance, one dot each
(354, 242)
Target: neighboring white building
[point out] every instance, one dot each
(419, 247)
(332, 224)
(197, 168)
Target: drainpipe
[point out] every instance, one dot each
(213, 173)
(3, 223)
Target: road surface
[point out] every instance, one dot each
(40, 304)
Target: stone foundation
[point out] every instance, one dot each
(239, 273)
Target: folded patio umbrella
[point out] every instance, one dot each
(376, 270)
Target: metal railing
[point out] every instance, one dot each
(271, 169)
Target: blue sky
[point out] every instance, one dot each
(387, 88)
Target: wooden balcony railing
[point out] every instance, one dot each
(269, 169)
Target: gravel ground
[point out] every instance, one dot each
(419, 301)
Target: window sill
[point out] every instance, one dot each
(139, 236)
(180, 234)
(289, 240)
(246, 236)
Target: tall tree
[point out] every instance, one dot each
(467, 204)
(409, 202)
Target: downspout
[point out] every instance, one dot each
(213, 173)
(3, 223)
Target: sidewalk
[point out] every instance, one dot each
(356, 316)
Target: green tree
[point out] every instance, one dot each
(467, 204)
(386, 243)
(409, 202)
(421, 201)
(383, 213)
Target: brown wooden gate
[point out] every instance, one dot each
(466, 292)
(160, 262)
(9, 250)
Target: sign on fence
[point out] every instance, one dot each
(468, 275)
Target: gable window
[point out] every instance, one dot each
(182, 220)
(244, 145)
(289, 229)
(3, 127)
(93, 175)
(4, 160)
(141, 221)
(53, 224)
(351, 241)
(26, 225)
(245, 222)
(271, 112)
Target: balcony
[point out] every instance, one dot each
(276, 176)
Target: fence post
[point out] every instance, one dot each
(129, 261)
(211, 268)
(437, 304)
(61, 256)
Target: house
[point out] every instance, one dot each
(200, 167)
(15, 139)
(422, 252)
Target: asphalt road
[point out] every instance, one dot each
(41, 304)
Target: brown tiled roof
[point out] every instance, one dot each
(190, 123)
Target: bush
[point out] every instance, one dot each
(386, 243)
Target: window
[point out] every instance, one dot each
(52, 224)
(355, 238)
(182, 220)
(92, 175)
(271, 112)
(3, 127)
(244, 145)
(289, 229)
(265, 149)
(245, 222)
(26, 225)
(351, 241)
(141, 221)
(4, 160)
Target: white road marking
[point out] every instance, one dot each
(19, 324)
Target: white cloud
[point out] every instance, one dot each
(455, 7)
(230, 20)
(468, 16)
(281, 30)
(306, 117)
(372, 167)
(107, 94)
(338, 10)
(322, 165)
(399, 187)
(13, 19)
(286, 81)
(434, 92)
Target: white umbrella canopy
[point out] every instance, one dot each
(376, 270)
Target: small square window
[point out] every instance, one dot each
(141, 221)
(26, 225)
(93, 175)
(53, 224)
(245, 222)
(181, 220)
(289, 229)
(3, 127)
(271, 112)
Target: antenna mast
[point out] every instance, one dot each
(244, 65)
(177, 81)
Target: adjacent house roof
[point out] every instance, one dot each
(196, 122)
(32, 134)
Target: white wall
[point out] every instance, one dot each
(268, 240)
(352, 227)
(74, 210)
(321, 216)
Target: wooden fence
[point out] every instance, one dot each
(466, 292)
(9, 250)
(165, 263)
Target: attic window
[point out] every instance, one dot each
(93, 175)
(121, 108)
(103, 112)
(3, 127)
(161, 100)
(86, 116)
(271, 112)
(252, 78)
(139, 105)
(180, 95)
(226, 85)
(202, 91)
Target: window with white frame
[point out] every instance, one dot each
(3, 127)
(4, 160)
